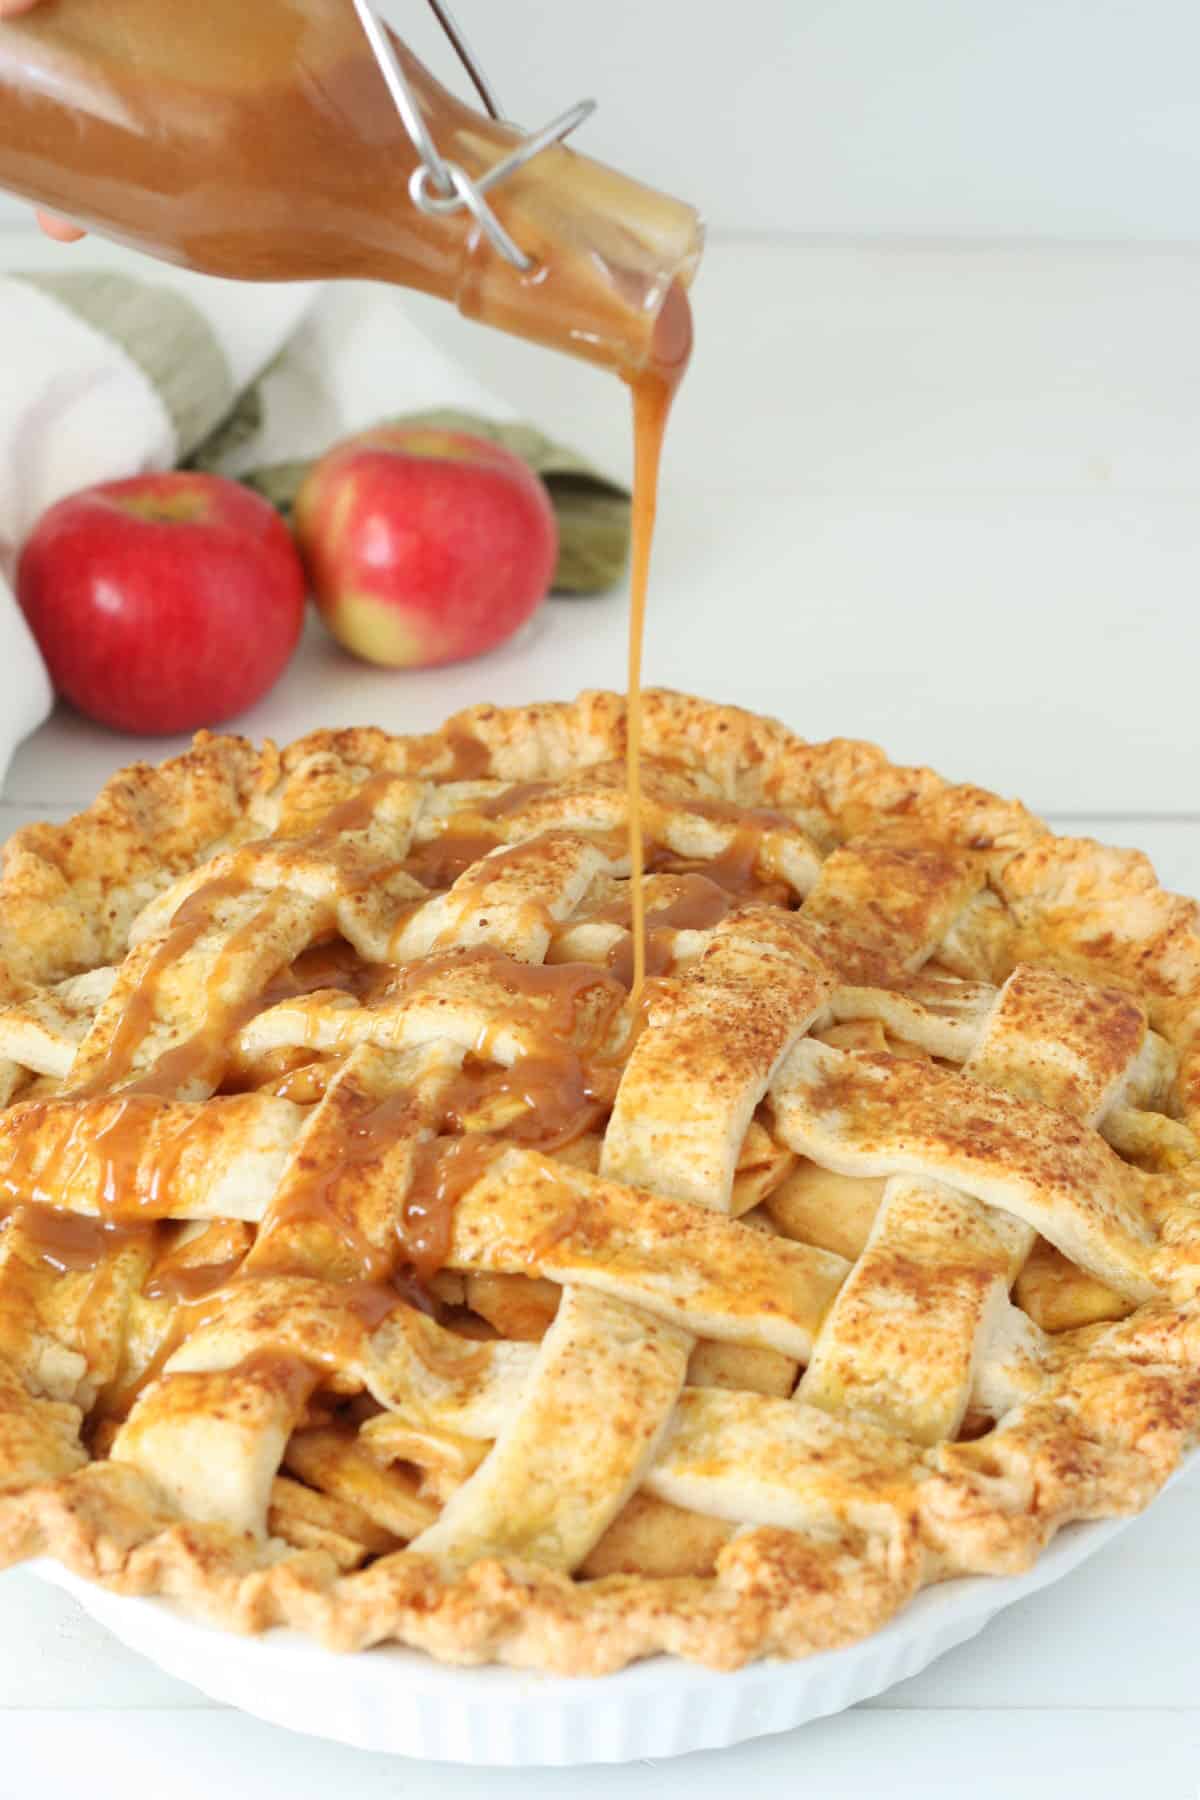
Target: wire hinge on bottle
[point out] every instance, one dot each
(438, 185)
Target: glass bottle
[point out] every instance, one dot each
(257, 139)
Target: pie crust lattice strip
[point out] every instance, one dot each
(370, 1264)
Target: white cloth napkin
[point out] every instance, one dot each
(112, 365)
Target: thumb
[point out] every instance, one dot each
(61, 230)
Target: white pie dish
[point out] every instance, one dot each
(399, 1701)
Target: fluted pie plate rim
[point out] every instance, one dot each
(398, 1702)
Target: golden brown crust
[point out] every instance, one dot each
(1113, 1407)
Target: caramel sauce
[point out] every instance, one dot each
(73, 1242)
(287, 1374)
(564, 985)
(306, 1085)
(333, 964)
(107, 1142)
(443, 1171)
(19, 1181)
(657, 958)
(736, 869)
(697, 905)
(192, 919)
(562, 1088)
(372, 1302)
(201, 1057)
(126, 1186)
(355, 813)
(513, 799)
(52, 1243)
(555, 991)
(370, 1128)
(558, 1097)
(117, 1402)
(470, 758)
(654, 388)
(196, 1305)
(185, 1284)
(438, 864)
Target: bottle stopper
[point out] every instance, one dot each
(439, 185)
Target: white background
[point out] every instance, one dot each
(979, 118)
(1068, 119)
(945, 495)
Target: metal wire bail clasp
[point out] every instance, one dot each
(437, 184)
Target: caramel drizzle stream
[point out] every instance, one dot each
(653, 391)
(649, 421)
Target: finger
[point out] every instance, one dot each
(10, 7)
(61, 230)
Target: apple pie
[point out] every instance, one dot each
(374, 1264)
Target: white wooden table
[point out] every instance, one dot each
(949, 502)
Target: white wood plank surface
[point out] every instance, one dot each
(1039, 1754)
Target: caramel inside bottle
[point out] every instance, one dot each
(260, 141)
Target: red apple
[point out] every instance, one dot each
(424, 546)
(163, 602)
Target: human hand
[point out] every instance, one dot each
(60, 229)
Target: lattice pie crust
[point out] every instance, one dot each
(370, 1265)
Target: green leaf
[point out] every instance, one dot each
(593, 512)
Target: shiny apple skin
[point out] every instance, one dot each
(163, 602)
(425, 547)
